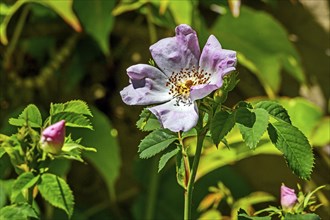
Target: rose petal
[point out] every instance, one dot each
(175, 53)
(200, 91)
(148, 86)
(176, 118)
(288, 197)
(216, 60)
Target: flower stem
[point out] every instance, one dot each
(193, 172)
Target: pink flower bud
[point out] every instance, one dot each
(52, 138)
(288, 197)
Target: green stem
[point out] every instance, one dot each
(193, 172)
(153, 189)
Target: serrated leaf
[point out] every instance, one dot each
(147, 121)
(30, 115)
(166, 157)
(156, 142)
(274, 109)
(18, 211)
(23, 181)
(72, 119)
(57, 192)
(295, 147)
(252, 134)
(76, 106)
(307, 216)
(221, 124)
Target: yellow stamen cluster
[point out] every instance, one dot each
(181, 82)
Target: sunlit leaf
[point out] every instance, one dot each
(294, 146)
(72, 119)
(76, 106)
(275, 110)
(18, 211)
(303, 114)
(321, 134)
(182, 11)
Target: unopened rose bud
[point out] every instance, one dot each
(288, 197)
(52, 138)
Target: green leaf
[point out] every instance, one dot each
(182, 11)
(147, 121)
(57, 192)
(307, 216)
(166, 157)
(274, 109)
(62, 8)
(97, 20)
(252, 125)
(18, 211)
(242, 215)
(24, 181)
(156, 142)
(76, 106)
(304, 114)
(295, 147)
(264, 52)
(107, 160)
(30, 114)
(73, 151)
(72, 120)
(221, 124)
(321, 133)
(181, 171)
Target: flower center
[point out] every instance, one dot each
(181, 82)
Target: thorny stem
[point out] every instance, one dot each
(193, 172)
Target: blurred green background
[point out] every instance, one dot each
(59, 50)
